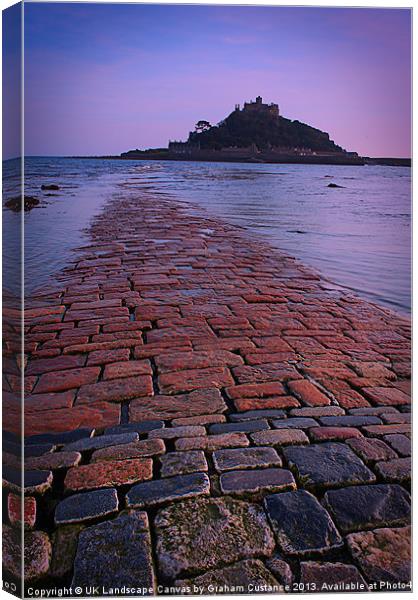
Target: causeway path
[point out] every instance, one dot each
(202, 414)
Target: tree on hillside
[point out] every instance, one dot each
(202, 126)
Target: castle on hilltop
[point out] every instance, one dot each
(258, 106)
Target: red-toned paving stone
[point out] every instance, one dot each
(308, 393)
(167, 323)
(14, 508)
(127, 369)
(115, 390)
(194, 379)
(58, 381)
(108, 473)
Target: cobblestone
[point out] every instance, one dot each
(327, 465)
(191, 343)
(280, 437)
(368, 506)
(245, 458)
(181, 405)
(383, 554)
(256, 481)
(180, 463)
(102, 551)
(169, 489)
(108, 473)
(371, 450)
(301, 525)
(213, 442)
(246, 575)
(203, 534)
(400, 443)
(328, 577)
(84, 507)
(398, 469)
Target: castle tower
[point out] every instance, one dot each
(259, 100)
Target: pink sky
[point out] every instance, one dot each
(103, 79)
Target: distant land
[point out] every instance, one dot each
(258, 133)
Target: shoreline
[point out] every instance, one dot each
(192, 367)
(361, 162)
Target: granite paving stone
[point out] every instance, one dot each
(140, 427)
(181, 463)
(308, 393)
(368, 506)
(323, 434)
(198, 420)
(102, 552)
(317, 411)
(349, 421)
(36, 449)
(162, 406)
(256, 481)
(384, 555)
(301, 525)
(244, 426)
(295, 423)
(246, 575)
(180, 343)
(268, 413)
(64, 546)
(397, 470)
(62, 438)
(53, 462)
(267, 402)
(35, 482)
(326, 465)
(331, 577)
(101, 441)
(281, 570)
(213, 442)
(108, 473)
(116, 390)
(171, 433)
(280, 437)
(37, 553)
(16, 515)
(202, 534)
(194, 379)
(140, 449)
(401, 443)
(84, 507)
(371, 450)
(160, 491)
(393, 418)
(373, 410)
(245, 458)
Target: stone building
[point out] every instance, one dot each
(258, 106)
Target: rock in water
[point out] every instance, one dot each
(334, 185)
(201, 534)
(53, 186)
(15, 204)
(115, 554)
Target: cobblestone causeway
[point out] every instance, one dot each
(200, 409)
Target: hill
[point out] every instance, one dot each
(266, 129)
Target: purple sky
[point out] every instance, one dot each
(102, 79)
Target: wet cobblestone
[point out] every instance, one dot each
(177, 342)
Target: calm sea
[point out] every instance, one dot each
(357, 236)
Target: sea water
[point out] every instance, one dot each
(357, 236)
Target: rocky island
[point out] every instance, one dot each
(257, 132)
